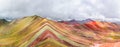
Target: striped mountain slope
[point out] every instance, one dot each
(35, 31)
(30, 31)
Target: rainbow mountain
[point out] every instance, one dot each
(35, 31)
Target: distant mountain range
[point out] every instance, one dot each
(35, 31)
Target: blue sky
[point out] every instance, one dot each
(108, 10)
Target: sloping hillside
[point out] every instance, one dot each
(35, 31)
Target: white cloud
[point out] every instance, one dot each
(108, 10)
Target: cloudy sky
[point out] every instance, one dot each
(108, 10)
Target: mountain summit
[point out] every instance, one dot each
(35, 31)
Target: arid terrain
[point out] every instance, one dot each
(35, 31)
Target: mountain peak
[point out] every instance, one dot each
(34, 16)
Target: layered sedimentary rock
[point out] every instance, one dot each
(35, 31)
(101, 33)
